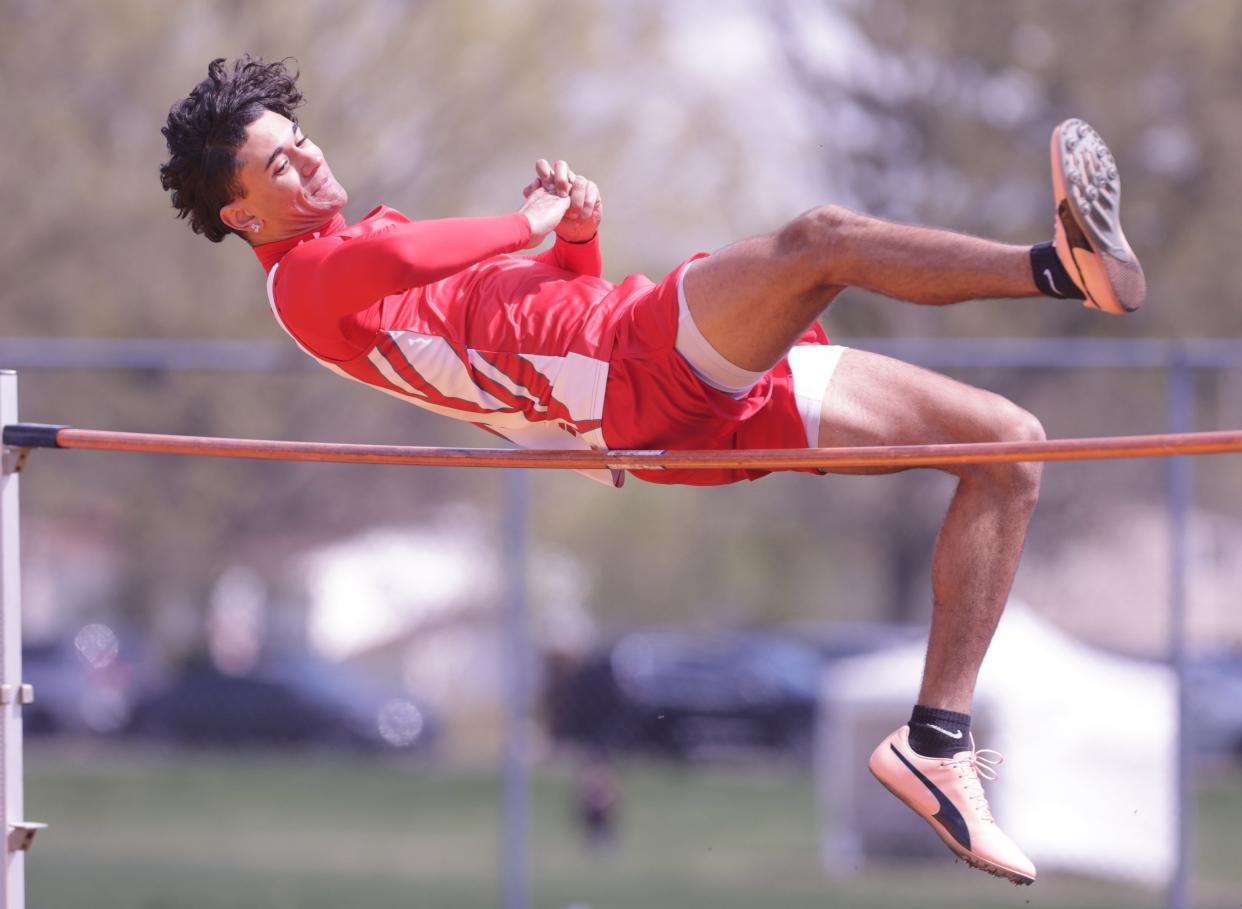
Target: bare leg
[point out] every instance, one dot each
(874, 400)
(753, 299)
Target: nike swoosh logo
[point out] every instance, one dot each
(1051, 283)
(948, 815)
(952, 735)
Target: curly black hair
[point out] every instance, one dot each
(205, 130)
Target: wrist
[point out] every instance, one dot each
(526, 220)
(589, 239)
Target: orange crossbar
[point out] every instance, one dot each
(892, 456)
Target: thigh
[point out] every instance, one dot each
(876, 400)
(752, 302)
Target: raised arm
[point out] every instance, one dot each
(355, 272)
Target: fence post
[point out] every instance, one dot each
(13, 694)
(1179, 480)
(518, 664)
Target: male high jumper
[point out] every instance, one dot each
(723, 353)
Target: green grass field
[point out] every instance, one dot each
(143, 831)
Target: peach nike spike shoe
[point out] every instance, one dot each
(947, 793)
(1086, 191)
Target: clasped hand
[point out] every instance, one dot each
(558, 199)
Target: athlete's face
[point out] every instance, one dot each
(289, 188)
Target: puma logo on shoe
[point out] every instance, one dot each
(952, 735)
(948, 815)
(948, 794)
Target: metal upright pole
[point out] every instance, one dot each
(518, 663)
(13, 693)
(1180, 485)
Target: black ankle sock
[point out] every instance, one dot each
(938, 733)
(1050, 275)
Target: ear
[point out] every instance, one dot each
(238, 217)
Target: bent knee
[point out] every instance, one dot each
(1020, 425)
(1027, 428)
(1014, 424)
(815, 231)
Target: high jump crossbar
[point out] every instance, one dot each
(19, 438)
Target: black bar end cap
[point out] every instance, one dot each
(32, 435)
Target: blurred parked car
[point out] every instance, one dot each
(691, 695)
(300, 702)
(686, 695)
(87, 684)
(1214, 695)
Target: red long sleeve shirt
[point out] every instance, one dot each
(441, 314)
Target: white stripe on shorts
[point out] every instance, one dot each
(812, 366)
(707, 362)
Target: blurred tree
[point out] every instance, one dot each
(939, 112)
(438, 108)
(411, 102)
(703, 122)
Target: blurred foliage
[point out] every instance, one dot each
(941, 113)
(702, 122)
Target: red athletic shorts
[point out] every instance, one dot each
(654, 400)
